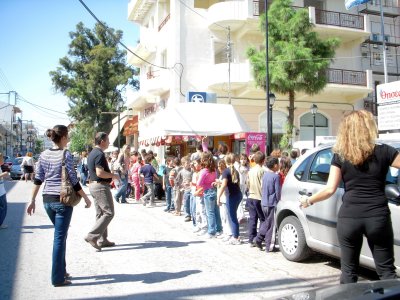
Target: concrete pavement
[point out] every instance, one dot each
(157, 257)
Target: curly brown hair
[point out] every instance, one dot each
(356, 137)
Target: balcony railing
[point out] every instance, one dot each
(334, 18)
(350, 77)
(258, 7)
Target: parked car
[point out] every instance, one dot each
(314, 228)
(14, 164)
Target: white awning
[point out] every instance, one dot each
(112, 136)
(193, 119)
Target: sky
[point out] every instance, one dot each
(34, 35)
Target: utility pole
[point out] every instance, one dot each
(229, 56)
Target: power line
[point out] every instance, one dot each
(19, 97)
(119, 42)
(4, 81)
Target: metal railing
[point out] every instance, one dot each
(258, 7)
(339, 19)
(350, 77)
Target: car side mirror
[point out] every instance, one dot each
(392, 192)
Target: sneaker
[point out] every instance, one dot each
(196, 229)
(211, 236)
(234, 241)
(226, 238)
(219, 233)
(166, 210)
(202, 232)
(151, 205)
(3, 226)
(188, 219)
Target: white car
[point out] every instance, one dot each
(314, 228)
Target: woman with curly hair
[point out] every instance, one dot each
(207, 176)
(362, 165)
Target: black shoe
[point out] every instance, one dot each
(258, 244)
(64, 283)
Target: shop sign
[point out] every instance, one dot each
(388, 99)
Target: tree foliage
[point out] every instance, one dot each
(298, 58)
(38, 148)
(80, 139)
(93, 76)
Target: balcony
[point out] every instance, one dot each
(348, 27)
(137, 9)
(145, 48)
(390, 8)
(157, 82)
(240, 76)
(237, 15)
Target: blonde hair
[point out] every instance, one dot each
(356, 137)
(30, 154)
(230, 160)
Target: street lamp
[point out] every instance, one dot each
(268, 94)
(314, 110)
(272, 98)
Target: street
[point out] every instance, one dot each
(157, 256)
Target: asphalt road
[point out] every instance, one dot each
(157, 257)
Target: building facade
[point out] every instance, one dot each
(187, 46)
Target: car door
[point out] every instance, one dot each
(322, 218)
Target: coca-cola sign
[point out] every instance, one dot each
(258, 138)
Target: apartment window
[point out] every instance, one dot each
(377, 58)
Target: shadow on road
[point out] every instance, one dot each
(10, 241)
(151, 244)
(149, 278)
(200, 293)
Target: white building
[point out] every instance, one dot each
(183, 46)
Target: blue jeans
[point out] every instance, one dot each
(212, 209)
(232, 205)
(122, 190)
(60, 215)
(168, 197)
(84, 177)
(3, 208)
(193, 209)
(186, 202)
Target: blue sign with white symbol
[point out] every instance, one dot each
(198, 97)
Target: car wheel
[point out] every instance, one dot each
(292, 241)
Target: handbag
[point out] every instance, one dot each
(68, 196)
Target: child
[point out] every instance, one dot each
(178, 194)
(221, 201)
(243, 170)
(256, 174)
(185, 176)
(207, 177)
(199, 210)
(135, 175)
(149, 175)
(230, 182)
(169, 162)
(271, 194)
(3, 197)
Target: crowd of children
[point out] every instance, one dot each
(213, 191)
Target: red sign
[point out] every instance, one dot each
(258, 138)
